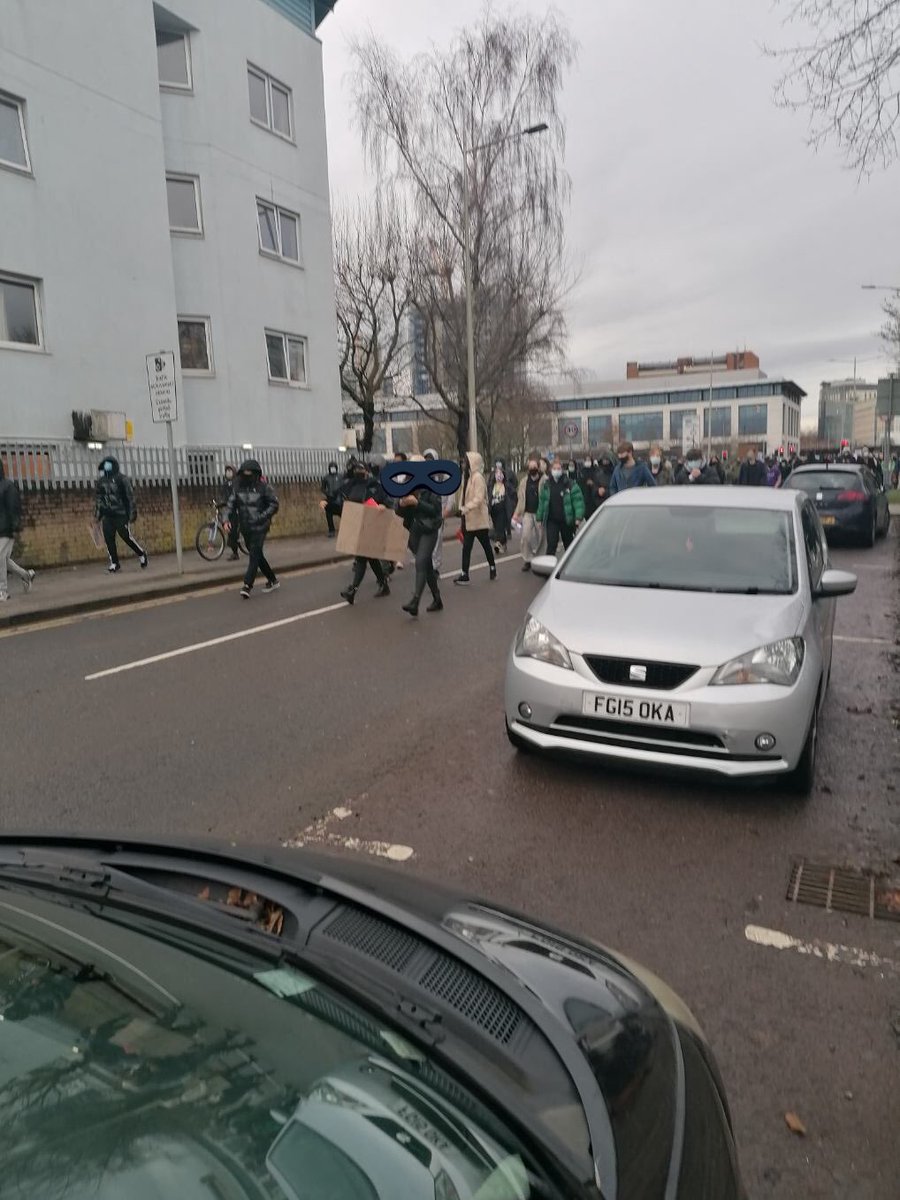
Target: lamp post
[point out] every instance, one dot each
(886, 444)
(467, 266)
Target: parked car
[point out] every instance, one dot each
(683, 629)
(848, 498)
(225, 1021)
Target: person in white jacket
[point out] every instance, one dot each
(474, 512)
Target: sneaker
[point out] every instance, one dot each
(28, 583)
(143, 560)
(245, 592)
(3, 597)
(526, 566)
(461, 579)
(398, 566)
(272, 587)
(493, 572)
(113, 567)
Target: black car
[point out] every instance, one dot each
(205, 1022)
(849, 500)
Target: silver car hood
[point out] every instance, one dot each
(705, 629)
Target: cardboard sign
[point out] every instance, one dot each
(371, 533)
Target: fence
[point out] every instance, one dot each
(67, 464)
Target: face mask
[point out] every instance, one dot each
(557, 474)
(587, 464)
(695, 464)
(498, 475)
(332, 470)
(107, 470)
(655, 461)
(623, 459)
(532, 469)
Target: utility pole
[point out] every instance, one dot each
(710, 410)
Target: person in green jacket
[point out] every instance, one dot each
(561, 506)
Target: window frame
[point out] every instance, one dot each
(18, 103)
(197, 372)
(811, 529)
(757, 409)
(166, 85)
(286, 339)
(35, 284)
(269, 123)
(279, 211)
(179, 230)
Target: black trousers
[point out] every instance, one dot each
(113, 526)
(555, 531)
(257, 561)
(359, 570)
(501, 522)
(422, 545)
(331, 510)
(233, 534)
(482, 536)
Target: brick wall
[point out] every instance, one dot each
(56, 524)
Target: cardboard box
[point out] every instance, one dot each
(371, 533)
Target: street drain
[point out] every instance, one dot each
(837, 889)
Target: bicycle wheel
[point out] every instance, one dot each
(210, 541)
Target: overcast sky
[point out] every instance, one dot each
(699, 217)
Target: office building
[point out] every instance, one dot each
(838, 402)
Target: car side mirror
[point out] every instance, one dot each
(544, 564)
(836, 583)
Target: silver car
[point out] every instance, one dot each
(683, 628)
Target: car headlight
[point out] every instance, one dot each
(779, 662)
(536, 641)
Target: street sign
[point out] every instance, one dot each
(161, 381)
(690, 432)
(571, 430)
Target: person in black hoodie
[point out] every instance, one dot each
(252, 506)
(10, 523)
(115, 509)
(422, 513)
(334, 499)
(359, 486)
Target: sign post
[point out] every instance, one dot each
(690, 432)
(164, 410)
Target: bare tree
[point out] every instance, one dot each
(523, 423)
(452, 121)
(890, 329)
(845, 73)
(374, 297)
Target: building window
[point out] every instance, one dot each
(721, 422)
(13, 143)
(602, 402)
(287, 358)
(195, 345)
(270, 103)
(676, 422)
(753, 420)
(641, 427)
(686, 397)
(20, 322)
(600, 430)
(173, 59)
(279, 231)
(183, 194)
(402, 440)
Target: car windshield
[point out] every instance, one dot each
(812, 482)
(210, 1077)
(686, 548)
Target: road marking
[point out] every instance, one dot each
(245, 633)
(319, 834)
(864, 641)
(829, 951)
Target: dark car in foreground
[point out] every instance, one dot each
(848, 498)
(218, 1022)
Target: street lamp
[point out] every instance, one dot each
(541, 127)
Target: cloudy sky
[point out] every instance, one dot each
(700, 219)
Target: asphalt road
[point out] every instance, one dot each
(398, 725)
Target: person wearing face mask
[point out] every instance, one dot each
(526, 510)
(629, 473)
(115, 509)
(334, 500)
(498, 506)
(252, 506)
(360, 486)
(660, 468)
(587, 481)
(560, 508)
(603, 476)
(474, 512)
(773, 473)
(696, 470)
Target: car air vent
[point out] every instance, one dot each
(472, 997)
(659, 675)
(374, 937)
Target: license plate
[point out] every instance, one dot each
(673, 713)
(828, 520)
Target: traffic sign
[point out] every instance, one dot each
(571, 430)
(161, 381)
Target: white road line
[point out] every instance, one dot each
(864, 641)
(245, 633)
(828, 951)
(319, 834)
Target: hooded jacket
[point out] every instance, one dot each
(474, 506)
(331, 485)
(572, 498)
(10, 507)
(708, 475)
(113, 494)
(253, 503)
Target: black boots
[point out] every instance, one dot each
(413, 607)
(436, 605)
(384, 589)
(349, 594)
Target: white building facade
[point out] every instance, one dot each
(164, 185)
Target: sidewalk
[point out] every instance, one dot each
(89, 586)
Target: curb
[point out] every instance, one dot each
(125, 600)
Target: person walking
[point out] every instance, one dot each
(773, 473)
(474, 512)
(526, 511)
(696, 470)
(660, 468)
(629, 473)
(422, 514)
(363, 487)
(752, 472)
(447, 505)
(115, 509)
(222, 501)
(498, 506)
(252, 506)
(333, 502)
(10, 524)
(560, 508)
(587, 481)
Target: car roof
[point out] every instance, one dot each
(710, 496)
(836, 466)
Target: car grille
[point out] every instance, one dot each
(662, 676)
(631, 729)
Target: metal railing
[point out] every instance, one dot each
(34, 464)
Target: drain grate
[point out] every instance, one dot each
(837, 889)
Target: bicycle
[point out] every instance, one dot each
(212, 539)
